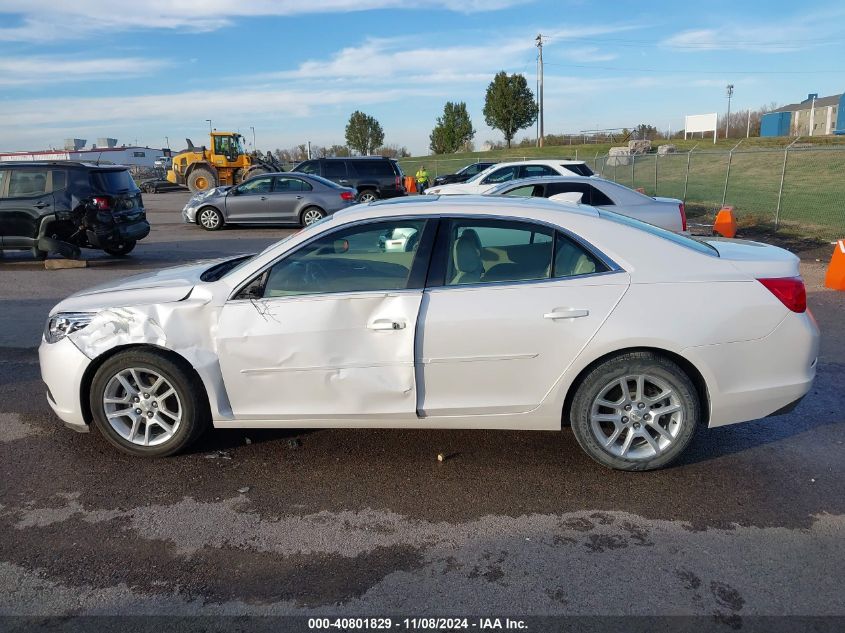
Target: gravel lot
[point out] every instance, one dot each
(751, 522)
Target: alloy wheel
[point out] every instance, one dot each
(311, 216)
(209, 219)
(637, 417)
(142, 406)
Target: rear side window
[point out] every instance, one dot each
(579, 168)
(25, 183)
(334, 169)
(681, 240)
(113, 181)
(286, 184)
(536, 170)
(59, 179)
(572, 259)
(591, 195)
(372, 168)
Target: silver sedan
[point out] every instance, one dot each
(667, 213)
(286, 198)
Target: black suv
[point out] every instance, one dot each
(464, 174)
(62, 206)
(373, 177)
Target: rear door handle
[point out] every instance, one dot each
(386, 324)
(263, 197)
(41, 205)
(566, 313)
(299, 197)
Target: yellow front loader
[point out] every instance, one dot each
(224, 163)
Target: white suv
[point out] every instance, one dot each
(502, 172)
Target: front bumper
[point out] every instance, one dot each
(189, 214)
(62, 369)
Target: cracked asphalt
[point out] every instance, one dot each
(751, 522)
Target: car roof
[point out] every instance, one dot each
(542, 161)
(539, 180)
(60, 163)
(475, 205)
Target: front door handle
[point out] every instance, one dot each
(263, 197)
(386, 324)
(41, 205)
(566, 313)
(299, 197)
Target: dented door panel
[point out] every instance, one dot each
(320, 357)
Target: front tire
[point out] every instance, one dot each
(310, 215)
(201, 179)
(210, 219)
(147, 405)
(637, 411)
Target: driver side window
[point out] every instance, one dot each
(376, 256)
(500, 175)
(256, 186)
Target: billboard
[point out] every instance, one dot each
(701, 123)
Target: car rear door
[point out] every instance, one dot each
(331, 334)
(286, 198)
(28, 198)
(509, 307)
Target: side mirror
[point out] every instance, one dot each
(235, 191)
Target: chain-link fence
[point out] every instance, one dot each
(797, 187)
(801, 188)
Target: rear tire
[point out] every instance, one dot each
(367, 195)
(643, 427)
(310, 215)
(210, 219)
(131, 378)
(201, 179)
(121, 249)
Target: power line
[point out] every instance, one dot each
(699, 72)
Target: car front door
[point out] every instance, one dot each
(509, 307)
(249, 201)
(328, 331)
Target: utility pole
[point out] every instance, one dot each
(209, 125)
(167, 142)
(253, 137)
(748, 125)
(540, 85)
(730, 93)
(812, 115)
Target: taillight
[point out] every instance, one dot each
(683, 210)
(398, 182)
(103, 203)
(347, 195)
(790, 291)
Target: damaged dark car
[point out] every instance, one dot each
(64, 206)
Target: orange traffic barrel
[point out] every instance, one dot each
(410, 184)
(835, 277)
(725, 224)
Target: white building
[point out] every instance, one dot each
(128, 155)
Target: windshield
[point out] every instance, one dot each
(483, 173)
(681, 240)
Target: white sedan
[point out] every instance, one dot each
(505, 314)
(500, 173)
(667, 213)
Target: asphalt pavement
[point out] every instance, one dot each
(751, 522)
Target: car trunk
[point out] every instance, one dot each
(757, 259)
(116, 192)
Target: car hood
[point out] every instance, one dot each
(162, 286)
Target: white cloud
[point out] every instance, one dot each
(20, 71)
(48, 19)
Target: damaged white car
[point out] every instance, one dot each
(491, 313)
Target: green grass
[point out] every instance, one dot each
(813, 189)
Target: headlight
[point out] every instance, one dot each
(64, 323)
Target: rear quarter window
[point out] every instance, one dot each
(580, 169)
(113, 181)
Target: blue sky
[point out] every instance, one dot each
(295, 70)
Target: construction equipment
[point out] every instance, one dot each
(225, 163)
